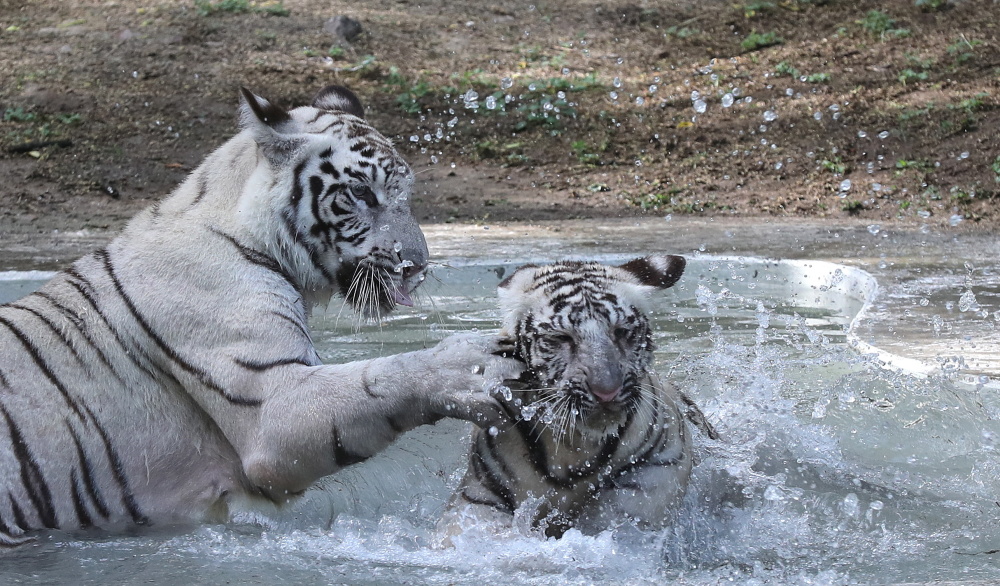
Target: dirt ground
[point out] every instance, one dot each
(522, 111)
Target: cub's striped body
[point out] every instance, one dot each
(171, 375)
(596, 439)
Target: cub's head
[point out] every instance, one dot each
(583, 330)
(335, 194)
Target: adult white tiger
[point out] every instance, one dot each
(597, 439)
(172, 375)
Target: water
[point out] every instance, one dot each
(847, 456)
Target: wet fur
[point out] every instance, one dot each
(596, 439)
(172, 376)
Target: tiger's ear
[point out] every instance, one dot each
(339, 98)
(658, 270)
(271, 126)
(512, 294)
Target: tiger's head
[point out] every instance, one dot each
(336, 196)
(583, 330)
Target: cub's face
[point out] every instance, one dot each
(583, 331)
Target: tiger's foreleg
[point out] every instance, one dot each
(329, 417)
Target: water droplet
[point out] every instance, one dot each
(727, 100)
(968, 302)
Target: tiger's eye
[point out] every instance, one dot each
(361, 192)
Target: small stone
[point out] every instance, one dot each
(343, 27)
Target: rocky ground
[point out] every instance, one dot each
(521, 111)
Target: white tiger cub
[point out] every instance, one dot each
(171, 375)
(596, 439)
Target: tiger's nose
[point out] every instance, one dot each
(605, 395)
(606, 381)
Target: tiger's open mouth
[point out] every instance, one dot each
(374, 286)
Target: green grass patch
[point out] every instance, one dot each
(881, 25)
(756, 41)
(209, 8)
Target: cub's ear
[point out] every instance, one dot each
(271, 126)
(339, 98)
(658, 270)
(517, 280)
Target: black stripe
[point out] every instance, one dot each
(58, 332)
(201, 375)
(315, 186)
(259, 366)
(88, 475)
(8, 533)
(341, 455)
(81, 510)
(296, 194)
(297, 323)
(82, 329)
(19, 518)
(118, 469)
(328, 168)
(85, 289)
(36, 356)
(492, 479)
(356, 174)
(259, 258)
(537, 454)
(31, 475)
(202, 188)
(297, 238)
